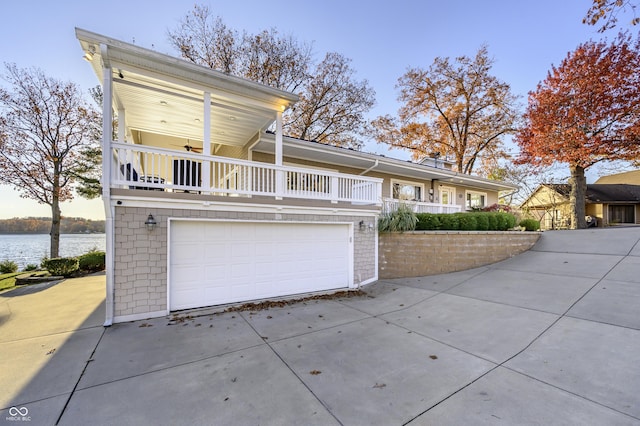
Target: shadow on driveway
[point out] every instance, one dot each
(47, 335)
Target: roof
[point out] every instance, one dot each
(630, 178)
(347, 157)
(165, 95)
(596, 193)
(607, 193)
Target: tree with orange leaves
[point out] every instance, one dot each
(454, 108)
(586, 111)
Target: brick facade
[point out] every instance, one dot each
(420, 253)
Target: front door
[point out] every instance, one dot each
(447, 195)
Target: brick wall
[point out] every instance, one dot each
(419, 253)
(140, 275)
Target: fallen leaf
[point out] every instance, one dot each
(145, 324)
(282, 303)
(315, 372)
(379, 385)
(433, 357)
(51, 351)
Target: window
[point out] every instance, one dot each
(407, 191)
(447, 195)
(476, 200)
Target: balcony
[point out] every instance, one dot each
(158, 169)
(391, 204)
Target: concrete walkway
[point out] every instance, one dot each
(548, 337)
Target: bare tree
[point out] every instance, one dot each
(274, 60)
(48, 133)
(207, 41)
(606, 13)
(332, 105)
(333, 102)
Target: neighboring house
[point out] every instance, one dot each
(610, 204)
(629, 178)
(208, 203)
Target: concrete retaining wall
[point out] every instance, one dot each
(419, 253)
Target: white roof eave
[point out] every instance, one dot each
(119, 52)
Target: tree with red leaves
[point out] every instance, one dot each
(586, 111)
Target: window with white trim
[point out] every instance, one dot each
(476, 200)
(407, 191)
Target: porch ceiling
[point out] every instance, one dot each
(164, 95)
(156, 106)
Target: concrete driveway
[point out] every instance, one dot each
(548, 337)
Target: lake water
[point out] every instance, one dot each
(27, 249)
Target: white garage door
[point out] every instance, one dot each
(213, 263)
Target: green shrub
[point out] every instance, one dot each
(8, 267)
(31, 267)
(482, 221)
(427, 222)
(501, 222)
(403, 219)
(467, 222)
(64, 266)
(511, 220)
(92, 261)
(493, 221)
(448, 222)
(530, 224)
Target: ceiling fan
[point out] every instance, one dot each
(189, 148)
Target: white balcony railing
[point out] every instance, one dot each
(143, 167)
(391, 204)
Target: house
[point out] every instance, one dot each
(208, 203)
(629, 178)
(610, 204)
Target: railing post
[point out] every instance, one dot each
(335, 193)
(280, 176)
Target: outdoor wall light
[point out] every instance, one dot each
(88, 56)
(365, 226)
(150, 222)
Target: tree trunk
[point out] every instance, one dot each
(578, 197)
(55, 228)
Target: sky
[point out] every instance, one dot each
(383, 39)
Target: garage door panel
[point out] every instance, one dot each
(223, 262)
(186, 253)
(189, 232)
(211, 233)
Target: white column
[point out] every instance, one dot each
(280, 176)
(206, 143)
(107, 130)
(279, 138)
(122, 128)
(107, 160)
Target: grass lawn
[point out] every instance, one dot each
(8, 280)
